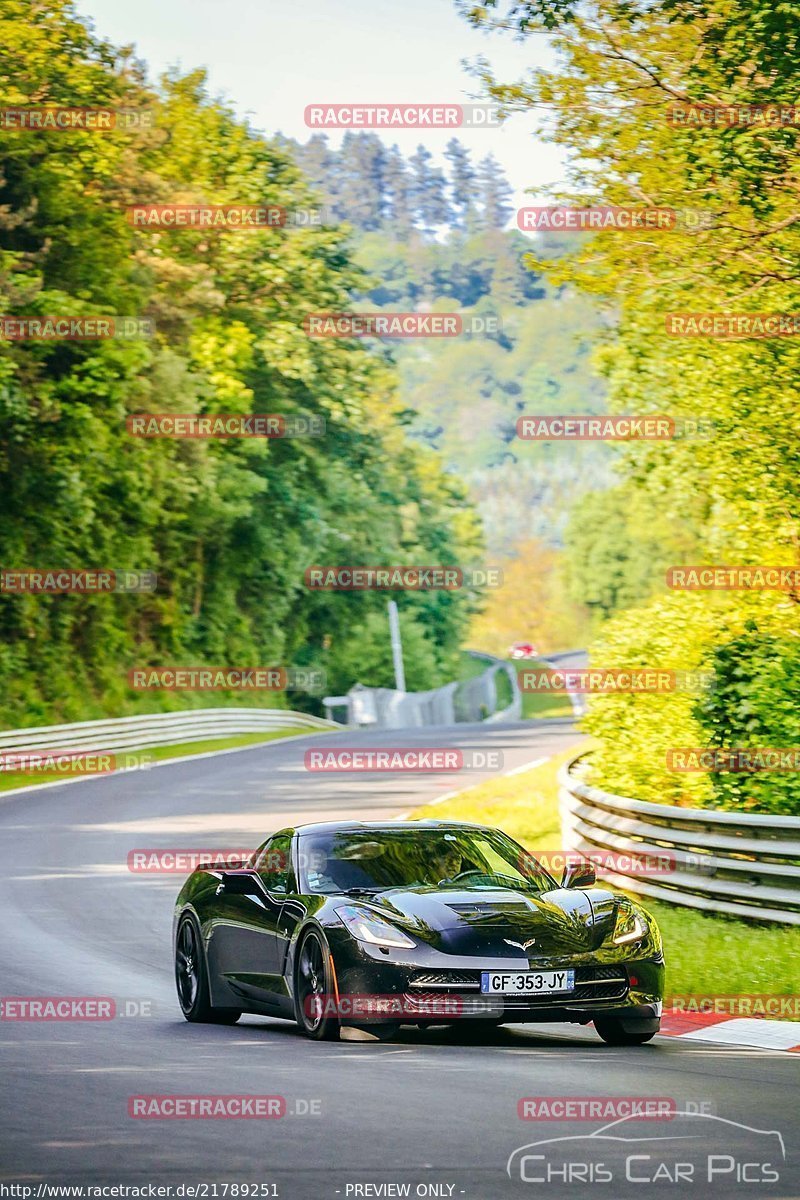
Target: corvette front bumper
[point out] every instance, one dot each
(446, 988)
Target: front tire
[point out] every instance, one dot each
(191, 979)
(313, 988)
(626, 1031)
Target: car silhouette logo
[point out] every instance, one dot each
(699, 1129)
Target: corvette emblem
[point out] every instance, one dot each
(522, 945)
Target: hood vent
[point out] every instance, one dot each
(487, 909)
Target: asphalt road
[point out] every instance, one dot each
(435, 1112)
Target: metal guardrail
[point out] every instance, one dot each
(472, 700)
(576, 699)
(481, 694)
(737, 864)
(156, 729)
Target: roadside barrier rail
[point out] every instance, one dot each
(156, 729)
(735, 864)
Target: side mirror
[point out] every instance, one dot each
(240, 883)
(578, 874)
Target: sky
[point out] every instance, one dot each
(271, 58)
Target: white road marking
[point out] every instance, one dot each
(528, 766)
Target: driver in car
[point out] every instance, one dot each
(447, 863)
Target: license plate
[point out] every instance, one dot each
(526, 983)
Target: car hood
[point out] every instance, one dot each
(461, 921)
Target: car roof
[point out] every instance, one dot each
(384, 826)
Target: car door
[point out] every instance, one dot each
(244, 945)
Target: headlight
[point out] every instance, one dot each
(630, 927)
(368, 927)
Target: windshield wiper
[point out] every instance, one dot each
(363, 891)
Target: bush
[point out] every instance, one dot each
(749, 642)
(754, 704)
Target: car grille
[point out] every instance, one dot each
(592, 982)
(460, 980)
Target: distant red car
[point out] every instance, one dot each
(523, 650)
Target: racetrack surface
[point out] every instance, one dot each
(436, 1107)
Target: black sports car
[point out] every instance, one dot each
(368, 925)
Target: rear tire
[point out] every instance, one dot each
(191, 979)
(313, 988)
(626, 1031)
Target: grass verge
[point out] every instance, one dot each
(470, 667)
(9, 780)
(706, 955)
(525, 806)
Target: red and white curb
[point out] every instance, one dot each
(733, 1031)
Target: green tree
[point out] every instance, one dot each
(462, 183)
(494, 194)
(428, 191)
(618, 548)
(229, 526)
(620, 67)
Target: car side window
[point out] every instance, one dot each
(274, 864)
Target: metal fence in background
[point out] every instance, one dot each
(493, 695)
(736, 864)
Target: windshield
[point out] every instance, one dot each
(372, 860)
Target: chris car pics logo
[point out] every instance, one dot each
(715, 1155)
